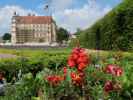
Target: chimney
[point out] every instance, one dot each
(33, 15)
(29, 14)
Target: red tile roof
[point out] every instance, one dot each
(33, 19)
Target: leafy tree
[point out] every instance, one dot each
(114, 31)
(62, 34)
(6, 36)
(78, 32)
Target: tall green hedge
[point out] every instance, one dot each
(113, 32)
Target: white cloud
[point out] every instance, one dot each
(6, 13)
(55, 6)
(61, 4)
(84, 17)
(64, 16)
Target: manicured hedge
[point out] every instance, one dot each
(113, 32)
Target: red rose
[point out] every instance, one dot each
(108, 86)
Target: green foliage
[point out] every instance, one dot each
(34, 62)
(62, 34)
(115, 30)
(95, 79)
(36, 65)
(6, 36)
(73, 43)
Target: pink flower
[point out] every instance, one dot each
(118, 71)
(114, 70)
(110, 69)
(108, 86)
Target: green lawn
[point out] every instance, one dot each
(37, 52)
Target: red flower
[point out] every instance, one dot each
(79, 60)
(81, 66)
(76, 79)
(50, 78)
(73, 75)
(81, 74)
(83, 59)
(71, 63)
(54, 79)
(108, 86)
(65, 70)
(76, 50)
(75, 56)
(82, 54)
(114, 70)
(110, 69)
(82, 50)
(118, 71)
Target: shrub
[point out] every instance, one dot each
(113, 31)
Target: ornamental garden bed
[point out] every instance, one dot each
(68, 75)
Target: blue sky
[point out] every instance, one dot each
(70, 14)
(34, 4)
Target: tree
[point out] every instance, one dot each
(62, 34)
(6, 36)
(78, 32)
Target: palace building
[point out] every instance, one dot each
(33, 29)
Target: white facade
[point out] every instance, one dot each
(33, 29)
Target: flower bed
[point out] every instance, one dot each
(76, 76)
(81, 76)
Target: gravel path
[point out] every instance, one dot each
(7, 56)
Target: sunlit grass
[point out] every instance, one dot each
(61, 51)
